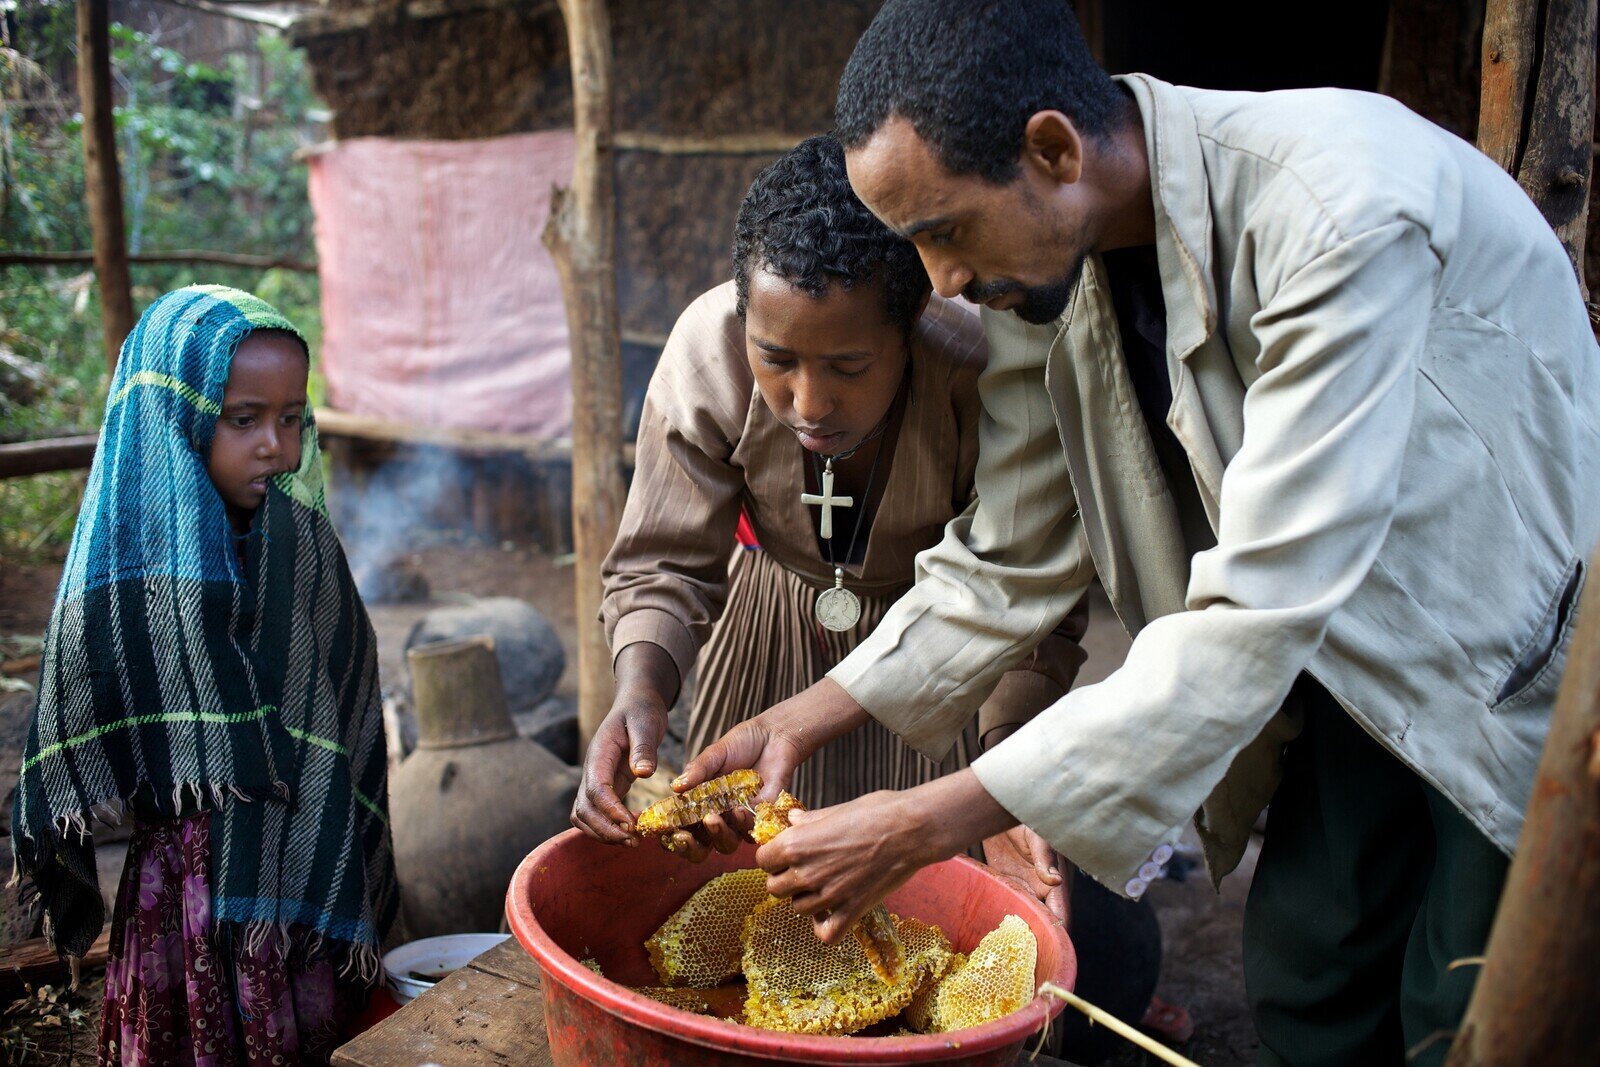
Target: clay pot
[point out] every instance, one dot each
(473, 799)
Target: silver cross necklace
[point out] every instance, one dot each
(838, 608)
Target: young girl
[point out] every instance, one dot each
(210, 669)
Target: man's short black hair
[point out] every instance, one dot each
(968, 74)
(801, 221)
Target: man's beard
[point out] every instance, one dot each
(1040, 303)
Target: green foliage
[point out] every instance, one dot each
(207, 161)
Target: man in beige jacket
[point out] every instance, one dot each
(1308, 384)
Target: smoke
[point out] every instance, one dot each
(419, 497)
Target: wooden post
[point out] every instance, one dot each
(1535, 1000)
(101, 180)
(1536, 114)
(581, 238)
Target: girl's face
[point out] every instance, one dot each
(827, 367)
(258, 432)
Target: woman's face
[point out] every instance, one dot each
(258, 432)
(828, 367)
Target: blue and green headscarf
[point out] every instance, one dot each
(182, 674)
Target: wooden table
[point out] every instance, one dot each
(490, 1011)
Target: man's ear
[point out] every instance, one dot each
(1051, 146)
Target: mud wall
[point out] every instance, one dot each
(683, 69)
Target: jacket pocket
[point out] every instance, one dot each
(1540, 656)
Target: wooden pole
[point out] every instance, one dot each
(42, 457)
(1536, 113)
(1535, 1000)
(185, 255)
(101, 180)
(581, 238)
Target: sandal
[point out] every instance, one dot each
(1170, 1022)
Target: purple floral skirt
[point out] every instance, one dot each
(176, 995)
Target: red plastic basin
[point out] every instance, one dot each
(574, 898)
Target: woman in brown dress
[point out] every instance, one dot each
(827, 368)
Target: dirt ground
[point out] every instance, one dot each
(1202, 969)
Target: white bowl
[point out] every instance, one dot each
(432, 955)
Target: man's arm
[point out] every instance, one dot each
(1113, 770)
(1007, 571)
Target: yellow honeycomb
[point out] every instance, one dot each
(919, 1013)
(799, 985)
(693, 805)
(672, 997)
(722, 1002)
(772, 817)
(875, 932)
(995, 980)
(699, 943)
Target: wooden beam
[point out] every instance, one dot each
(328, 23)
(1536, 113)
(42, 457)
(101, 180)
(728, 144)
(581, 237)
(1535, 1001)
(331, 423)
(187, 255)
(1092, 21)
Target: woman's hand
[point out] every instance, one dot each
(835, 863)
(624, 747)
(1023, 857)
(778, 740)
(773, 744)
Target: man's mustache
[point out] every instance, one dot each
(981, 292)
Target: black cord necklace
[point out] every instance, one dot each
(838, 608)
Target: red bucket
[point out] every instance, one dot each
(574, 898)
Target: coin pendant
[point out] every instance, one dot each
(838, 609)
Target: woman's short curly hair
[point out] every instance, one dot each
(802, 221)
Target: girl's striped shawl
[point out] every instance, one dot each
(177, 679)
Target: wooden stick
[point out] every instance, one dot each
(1117, 1026)
(1536, 113)
(227, 259)
(34, 962)
(1535, 997)
(101, 180)
(51, 454)
(581, 237)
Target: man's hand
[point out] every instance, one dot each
(835, 863)
(1023, 857)
(778, 740)
(624, 747)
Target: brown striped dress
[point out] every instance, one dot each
(742, 618)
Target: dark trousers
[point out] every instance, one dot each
(1369, 885)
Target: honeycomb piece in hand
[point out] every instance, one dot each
(699, 943)
(693, 805)
(874, 932)
(800, 985)
(772, 817)
(996, 980)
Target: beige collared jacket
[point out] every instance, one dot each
(1386, 384)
